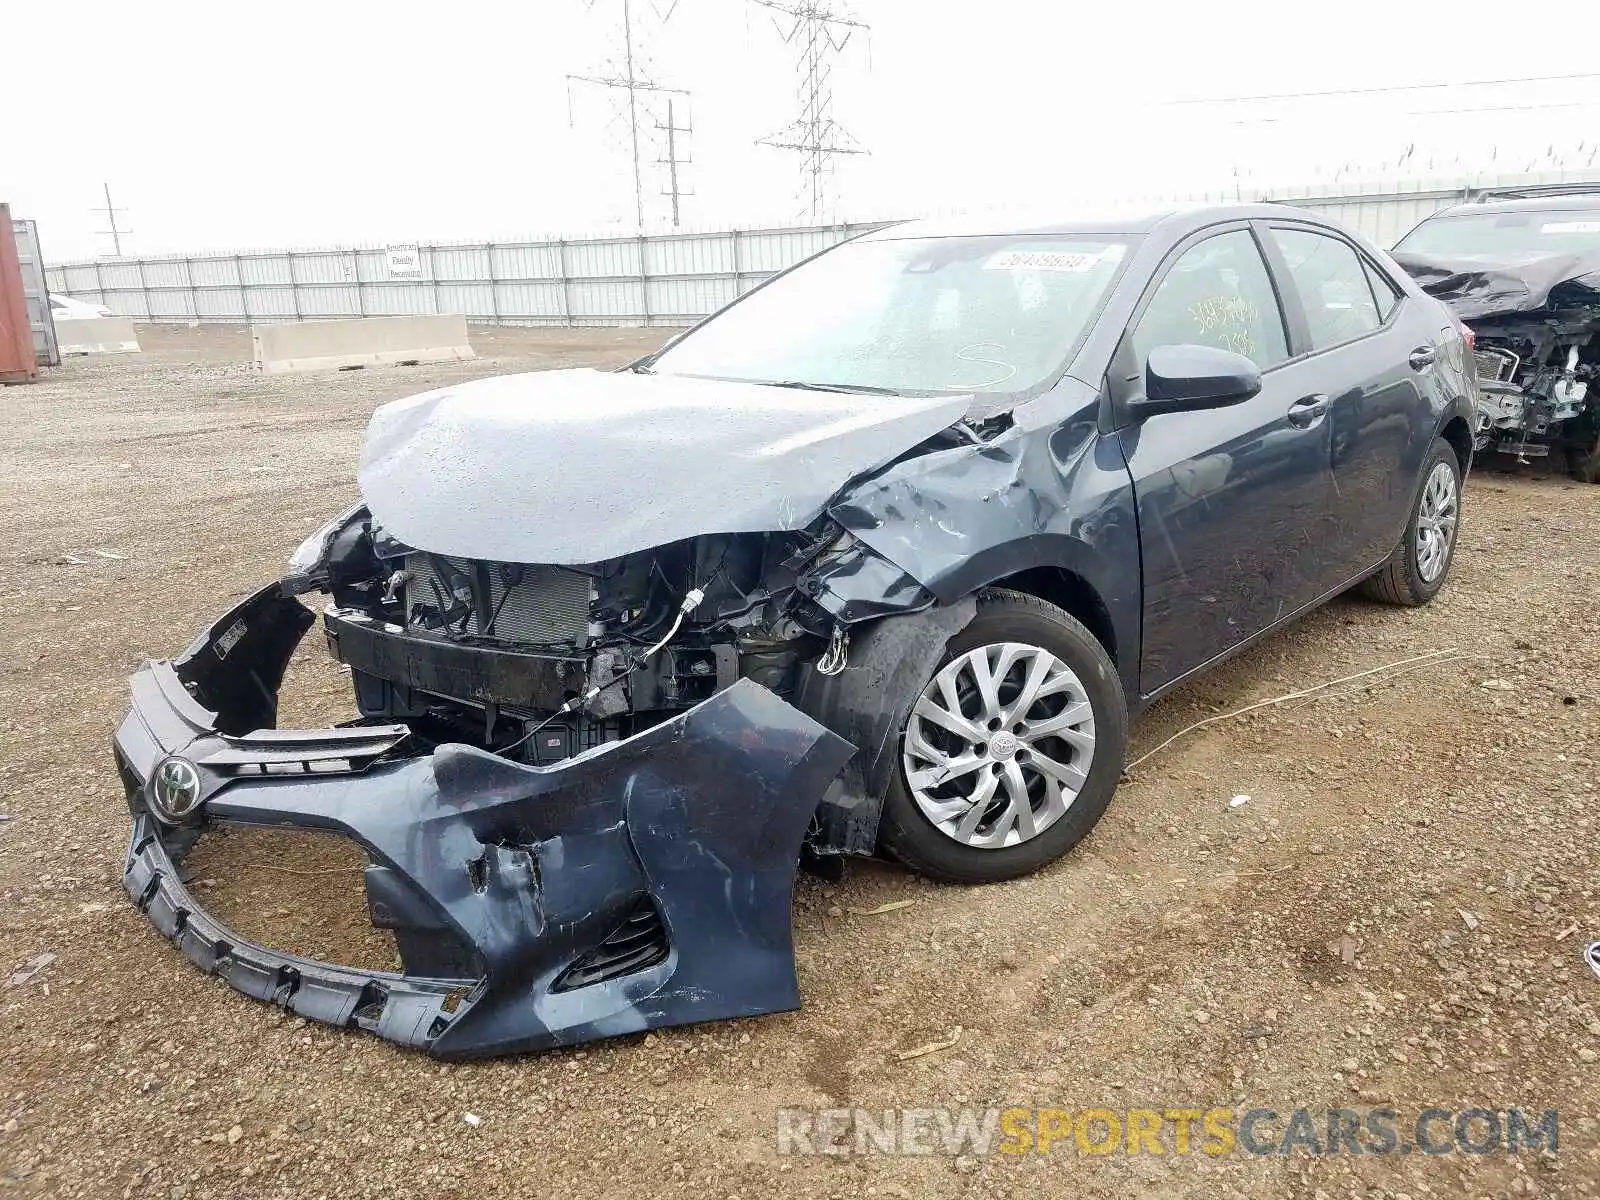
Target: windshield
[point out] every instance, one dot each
(966, 314)
(1553, 231)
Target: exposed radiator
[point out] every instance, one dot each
(1496, 365)
(545, 605)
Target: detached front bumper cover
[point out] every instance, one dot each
(643, 884)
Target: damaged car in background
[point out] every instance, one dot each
(1522, 270)
(875, 560)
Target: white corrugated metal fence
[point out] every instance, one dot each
(658, 279)
(654, 280)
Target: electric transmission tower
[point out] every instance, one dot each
(818, 32)
(631, 75)
(114, 232)
(674, 158)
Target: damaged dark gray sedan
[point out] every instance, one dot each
(877, 559)
(1522, 268)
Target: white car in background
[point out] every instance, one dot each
(65, 308)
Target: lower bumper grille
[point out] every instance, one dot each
(538, 605)
(639, 942)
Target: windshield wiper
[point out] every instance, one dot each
(804, 385)
(865, 389)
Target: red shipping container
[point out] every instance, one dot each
(17, 361)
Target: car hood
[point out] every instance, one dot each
(1481, 285)
(580, 466)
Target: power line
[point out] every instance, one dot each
(819, 32)
(1442, 112)
(1372, 91)
(1436, 112)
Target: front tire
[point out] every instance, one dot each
(1421, 562)
(1012, 750)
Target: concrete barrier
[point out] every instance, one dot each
(365, 342)
(96, 335)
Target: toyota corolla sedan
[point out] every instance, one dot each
(878, 559)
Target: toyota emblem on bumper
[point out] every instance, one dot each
(175, 789)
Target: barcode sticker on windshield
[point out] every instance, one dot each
(1570, 227)
(1075, 261)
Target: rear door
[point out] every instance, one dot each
(1232, 501)
(1377, 354)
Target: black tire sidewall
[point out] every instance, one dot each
(1013, 617)
(1584, 464)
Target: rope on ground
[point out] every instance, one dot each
(1404, 671)
(1430, 658)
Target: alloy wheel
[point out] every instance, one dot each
(999, 744)
(1436, 522)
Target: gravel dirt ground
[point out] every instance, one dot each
(1394, 918)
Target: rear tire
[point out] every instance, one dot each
(1420, 565)
(1035, 742)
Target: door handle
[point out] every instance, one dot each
(1306, 411)
(1422, 358)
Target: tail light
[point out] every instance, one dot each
(1469, 337)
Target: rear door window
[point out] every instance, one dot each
(1217, 293)
(1333, 284)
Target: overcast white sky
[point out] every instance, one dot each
(237, 126)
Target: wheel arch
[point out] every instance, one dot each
(1103, 593)
(1072, 594)
(1457, 432)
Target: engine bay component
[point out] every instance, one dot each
(541, 661)
(1534, 383)
(539, 605)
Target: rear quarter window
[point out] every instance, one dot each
(1384, 292)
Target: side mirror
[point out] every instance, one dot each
(1186, 378)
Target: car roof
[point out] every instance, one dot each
(1555, 203)
(1126, 222)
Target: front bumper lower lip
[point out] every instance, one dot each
(409, 1011)
(496, 878)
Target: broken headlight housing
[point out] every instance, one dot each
(307, 569)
